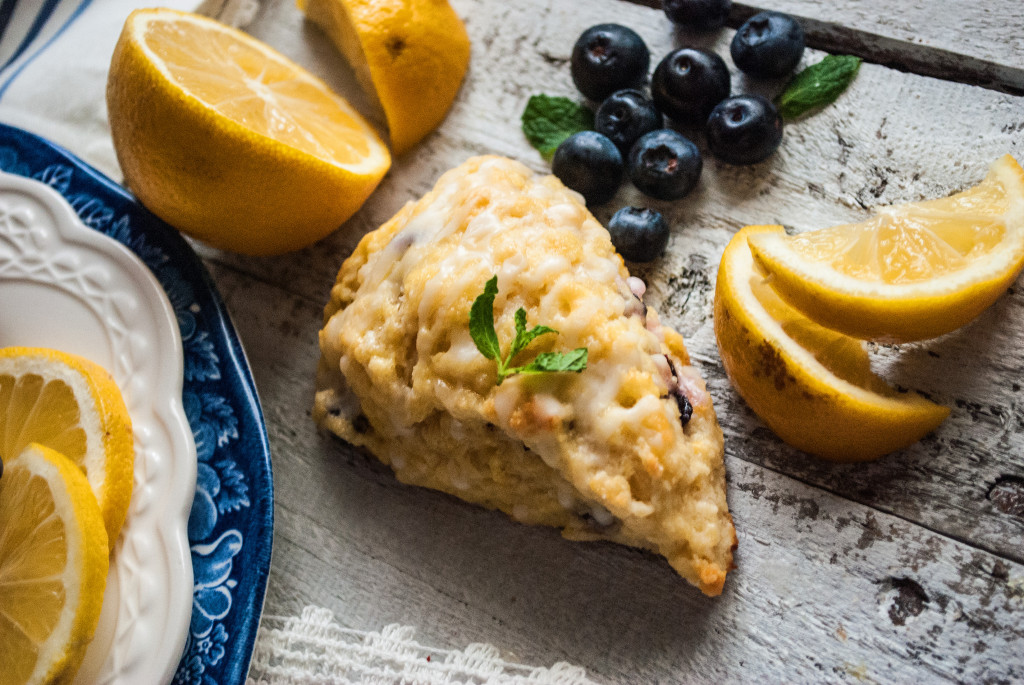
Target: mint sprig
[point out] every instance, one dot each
(548, 120)
(817, 85)
(481, 329)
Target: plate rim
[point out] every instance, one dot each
(159, 416)
(260, 521)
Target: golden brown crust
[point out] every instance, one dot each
(602, 454)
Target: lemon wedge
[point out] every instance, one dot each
(812, 386)
(229, 141)
(53, 568)
(71, 405)
(912, 271)
(413, 54)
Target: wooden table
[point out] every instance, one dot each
(908, 569)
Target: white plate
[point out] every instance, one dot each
(65, 286)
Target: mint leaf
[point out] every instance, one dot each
(551, 362)
(818, 85)
(481, 321)
(520, 323)
(548, 120)
(525, 337)
(481, 328)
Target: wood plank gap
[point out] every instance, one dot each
(893, 53)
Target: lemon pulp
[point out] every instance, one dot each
(910, 272)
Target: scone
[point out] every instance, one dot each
(628, 450)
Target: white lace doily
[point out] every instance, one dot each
(312, 649)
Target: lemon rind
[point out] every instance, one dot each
(799, 398)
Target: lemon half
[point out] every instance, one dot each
(229, 141)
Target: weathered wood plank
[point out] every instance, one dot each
(979, 44)
(893, 137)
(825, 589)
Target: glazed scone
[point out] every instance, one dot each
(603, 454)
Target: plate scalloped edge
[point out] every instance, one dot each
(230, 529)
(103, 303)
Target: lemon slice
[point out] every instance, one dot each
(413, 54)
(231, 142)
(53, 568)
(912, 271)
(71, 405)
(812, 386)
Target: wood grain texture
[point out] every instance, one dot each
(982, 44)
(906, 569)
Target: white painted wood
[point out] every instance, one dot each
(903, 570)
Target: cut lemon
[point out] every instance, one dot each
(811, 385)
(231, 142)
(912, 271)
(53, 568)
(412, 54)
(72, 405)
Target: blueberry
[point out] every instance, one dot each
(639, 234)
(590, 164)
(697, 15)
(664, 164)
(607, 58)
(768, 45)
(624, 116)
(688, 83)
(683, 403)
(745, 129)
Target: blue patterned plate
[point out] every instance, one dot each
(230, 529)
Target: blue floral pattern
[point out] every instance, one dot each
(215, 404)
